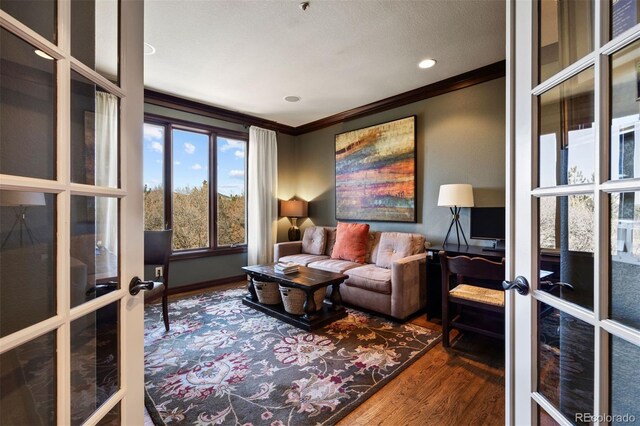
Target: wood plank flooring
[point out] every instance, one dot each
(463, 385)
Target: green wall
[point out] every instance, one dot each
(193, 271)
(460, 139)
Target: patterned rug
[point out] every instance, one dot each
(225, 363)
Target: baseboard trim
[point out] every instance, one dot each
(206, 284)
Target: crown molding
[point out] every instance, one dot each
(461, 81)
(185, 105)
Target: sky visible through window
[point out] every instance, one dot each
(191, 160)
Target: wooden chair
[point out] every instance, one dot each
(474, 277)
(157, 249)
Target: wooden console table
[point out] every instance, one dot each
(306, 279)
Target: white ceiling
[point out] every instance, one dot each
(247, 56)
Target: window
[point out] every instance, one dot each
(195, 184)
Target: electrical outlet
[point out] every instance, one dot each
(158, 271)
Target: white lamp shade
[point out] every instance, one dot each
(21, 198)
(294, 208)
(456, 195)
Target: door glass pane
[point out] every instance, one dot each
(625, 376)
(567, 136)
(95, 365)
(94, 247)
(565, 362)
(27, 259)
(566, 248)
(153, 177)
(112, 418)
(625, 109)
(190, 190)
(94, 35)
(28, 383)
(566, 34)
(625, 258)
(624, 15)
(231, 191)
(38, 15)
(94, 133)
(27, 102)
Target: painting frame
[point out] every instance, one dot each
(376, 172)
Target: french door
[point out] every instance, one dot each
(574, 76)
(71, 113)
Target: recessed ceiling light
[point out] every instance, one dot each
(292, 98)
(149, 49)
(427, 63)
(42, 54)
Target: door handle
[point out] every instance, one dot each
(520, 284)
(136, 284)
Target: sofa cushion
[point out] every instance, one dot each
(370, 277)
(372, 247)
(417, 244)
(314, 240)
(334, 265)
(351, 242)
(303, 259)
(331, 240)
(393, 246)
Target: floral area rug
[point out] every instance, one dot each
(226, 363)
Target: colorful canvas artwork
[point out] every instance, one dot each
(376, 172)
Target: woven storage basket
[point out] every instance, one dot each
(294, 298)
(267, 292)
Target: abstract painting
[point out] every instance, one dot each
(376, 172)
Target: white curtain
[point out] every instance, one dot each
(106, 168)
(262, 203)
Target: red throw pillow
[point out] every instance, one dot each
(351, 242)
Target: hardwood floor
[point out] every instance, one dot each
(463, 385)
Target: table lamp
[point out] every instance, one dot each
(455, 196)
(293, 209)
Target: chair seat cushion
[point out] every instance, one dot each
(370, 277)
(478, 294)
(334, 265)
(303, 259)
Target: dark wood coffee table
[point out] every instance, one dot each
(308, 280)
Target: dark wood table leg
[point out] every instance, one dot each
(335, 298)
(252, 290)
(309, 306)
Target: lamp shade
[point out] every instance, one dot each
(456, 194)
(21, 198)
(294, 208)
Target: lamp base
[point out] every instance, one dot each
(455, 212)
(294, 233)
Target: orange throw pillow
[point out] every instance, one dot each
(351, 242)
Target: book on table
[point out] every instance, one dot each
(286, 268)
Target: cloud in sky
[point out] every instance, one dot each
(196, 166)
(189, 148)
(231, 144)
(236, 174)
(153, 133)
(156, 146)
(239, 154)
(177, 163)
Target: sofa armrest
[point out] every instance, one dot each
(286, 249)
(408, 289)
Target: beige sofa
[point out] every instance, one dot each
(392, 281)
